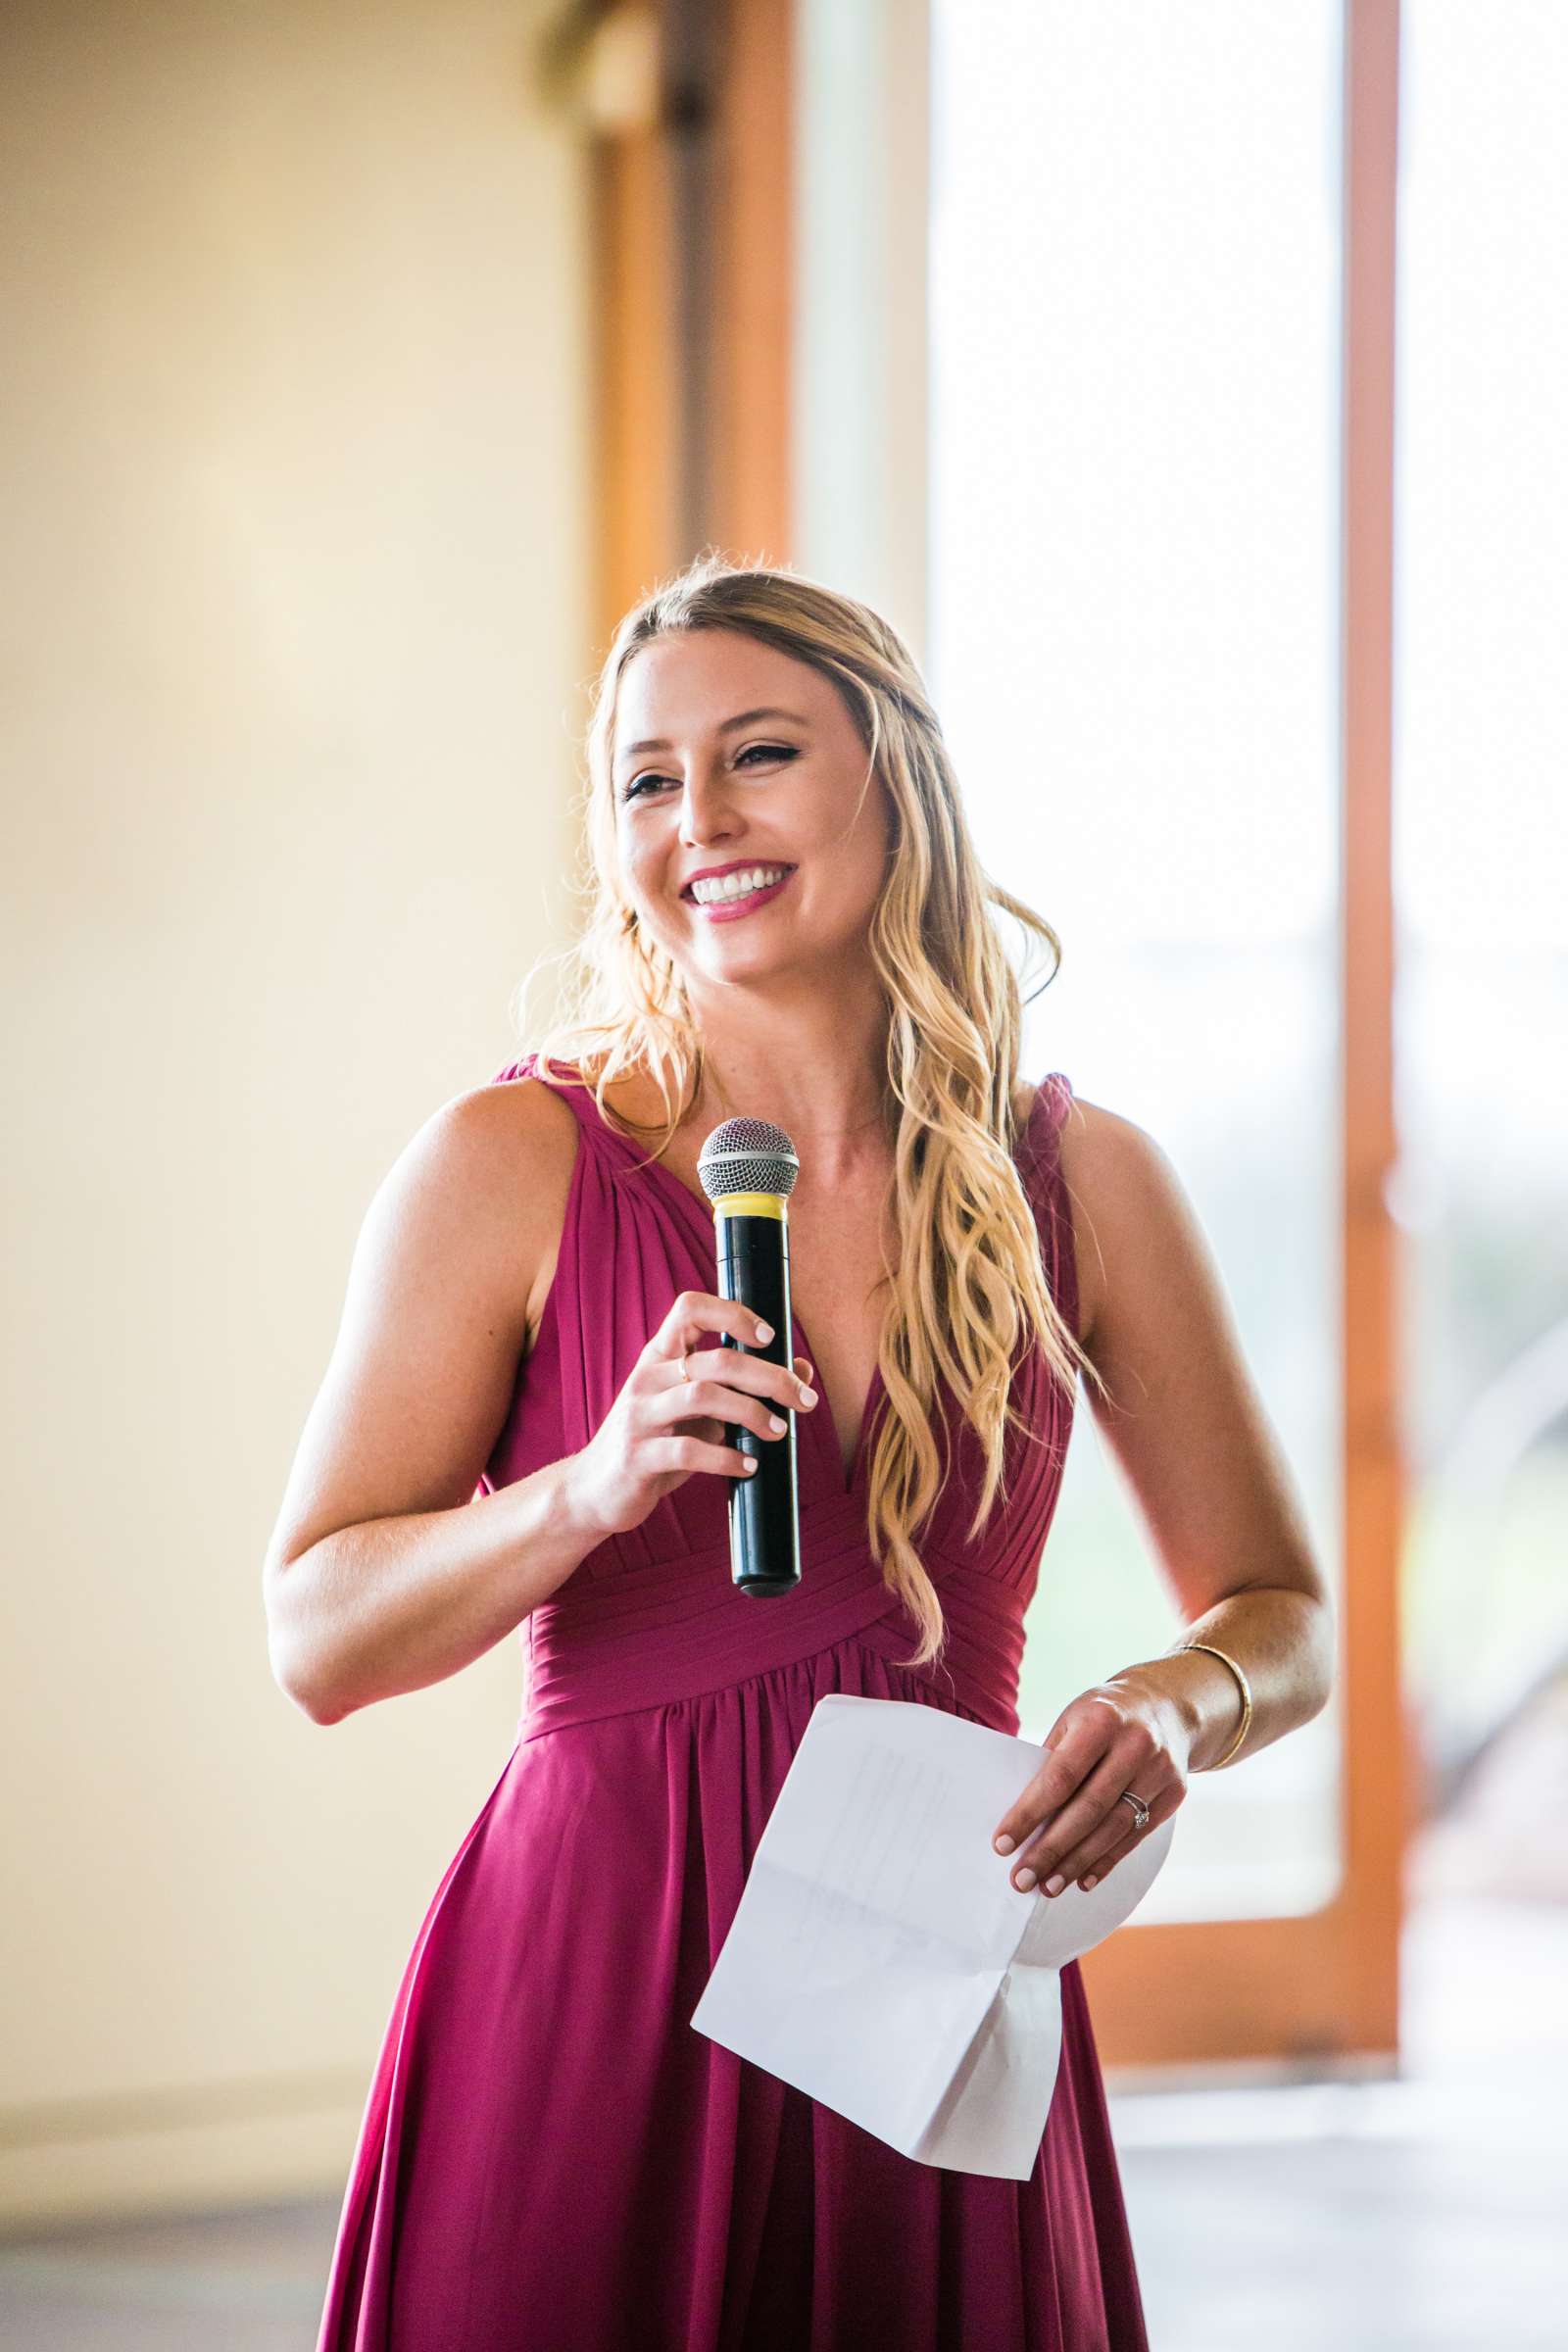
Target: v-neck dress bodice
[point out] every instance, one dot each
(553, 2159)
(634, 1237)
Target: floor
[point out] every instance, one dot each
(1420, 2215)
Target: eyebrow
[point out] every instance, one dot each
(741, 718)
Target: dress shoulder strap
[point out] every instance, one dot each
(570, 1087)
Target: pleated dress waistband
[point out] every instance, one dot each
(625, 1639)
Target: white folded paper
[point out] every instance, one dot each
(881, 1958)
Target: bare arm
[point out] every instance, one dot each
(1189, 1433)
(383, 1575)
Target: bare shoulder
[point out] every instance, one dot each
(435, 1317)
(477, 1197)
(1125, 1197)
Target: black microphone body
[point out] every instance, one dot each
(748, 1168)
(764, 1546)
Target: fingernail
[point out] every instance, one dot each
(1024, 1881)
(1004, 1846)
(1054, 1886)
(808, 1396)
(1085, 1883)
(765, 1332)
(776, 1421)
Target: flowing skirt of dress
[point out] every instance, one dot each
(552, 2160)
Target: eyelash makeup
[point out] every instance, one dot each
(771, 751)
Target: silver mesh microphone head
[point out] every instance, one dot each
(748, 1156)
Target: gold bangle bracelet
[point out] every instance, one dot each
(1246, 1701)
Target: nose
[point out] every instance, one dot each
(704, 811)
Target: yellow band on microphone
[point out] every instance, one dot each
(751, 1205)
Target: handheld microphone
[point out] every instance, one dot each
(748, 1169)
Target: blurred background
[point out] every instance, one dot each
(1185, 385)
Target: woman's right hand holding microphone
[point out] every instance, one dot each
(664, 1425)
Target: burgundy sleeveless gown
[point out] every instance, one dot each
(551, 2158)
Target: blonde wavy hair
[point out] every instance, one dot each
(970, 1292)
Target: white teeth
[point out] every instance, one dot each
(739, 885)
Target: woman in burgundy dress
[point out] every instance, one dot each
(523, 1430)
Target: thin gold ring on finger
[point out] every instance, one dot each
(685, 1367)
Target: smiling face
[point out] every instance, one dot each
(785, 788)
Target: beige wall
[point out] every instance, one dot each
(294, 643)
